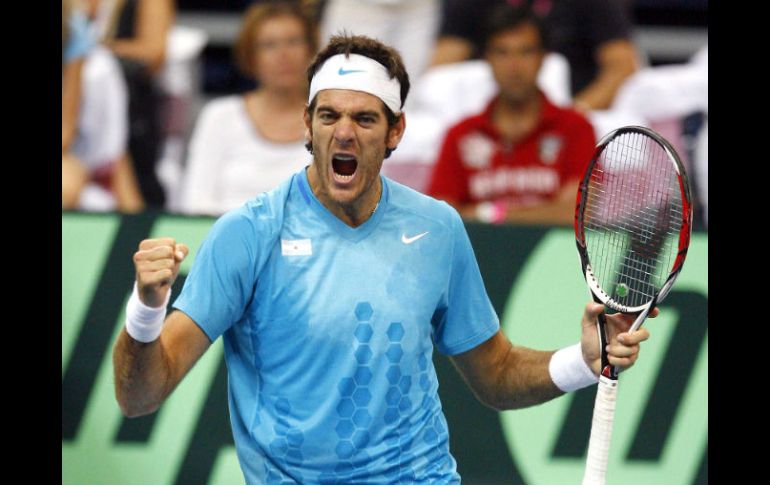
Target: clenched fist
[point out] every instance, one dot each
(157, 264)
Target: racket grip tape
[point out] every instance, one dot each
(601, 432)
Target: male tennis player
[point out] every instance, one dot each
(330, 293)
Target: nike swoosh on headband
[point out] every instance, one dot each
(342, 71)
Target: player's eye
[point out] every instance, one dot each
(366, 120)
(327, 116)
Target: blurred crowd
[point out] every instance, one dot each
(508, 99)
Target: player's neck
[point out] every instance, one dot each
(353, 213)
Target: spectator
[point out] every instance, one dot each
(96, 174)
(249, 143)
(102, 138)
(136, 32)
(594, 36)
(520, 160)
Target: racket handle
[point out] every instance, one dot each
(601, 432)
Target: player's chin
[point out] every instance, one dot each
(345, 193)
(344, 196)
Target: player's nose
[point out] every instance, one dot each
(344, 132)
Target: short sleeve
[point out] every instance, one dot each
(221, 282)
(465, 317)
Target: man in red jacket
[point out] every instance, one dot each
(519, 160)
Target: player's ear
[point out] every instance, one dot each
(396, 132)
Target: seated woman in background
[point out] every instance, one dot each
(246, 144)
(96, 174)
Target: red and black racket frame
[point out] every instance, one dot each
(610, 371)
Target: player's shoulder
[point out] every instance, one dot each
(409, 203)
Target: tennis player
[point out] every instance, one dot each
(330, 293)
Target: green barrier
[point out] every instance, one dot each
(533, 278)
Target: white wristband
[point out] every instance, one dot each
(569, 371)
(144, 323)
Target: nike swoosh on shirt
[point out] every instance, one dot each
(410, 240)
(342, 71)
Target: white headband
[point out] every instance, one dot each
(357, 73)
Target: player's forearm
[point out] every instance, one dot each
(524, 380)
(142, 375)
(504, 376)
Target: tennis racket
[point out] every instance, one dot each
(632, 227)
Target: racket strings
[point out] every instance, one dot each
(632, 218)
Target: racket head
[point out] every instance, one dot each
(633, 219)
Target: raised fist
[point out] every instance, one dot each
(157, 264)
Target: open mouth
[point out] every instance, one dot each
(344, 167)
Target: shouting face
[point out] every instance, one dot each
(349, 133)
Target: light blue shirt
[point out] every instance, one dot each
(329, 332)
